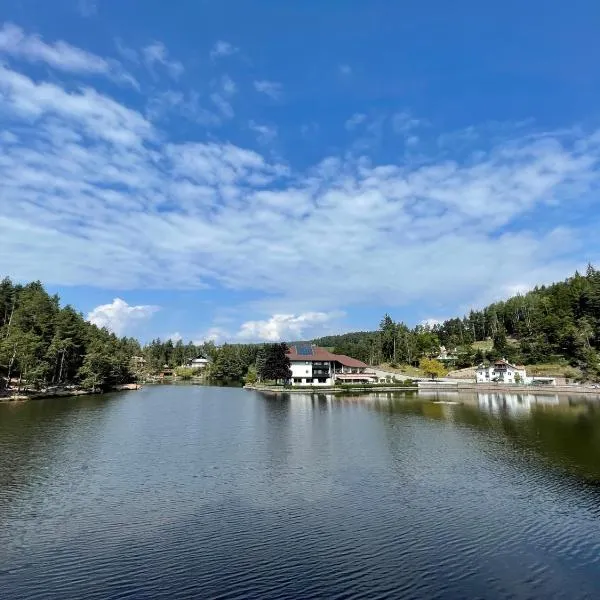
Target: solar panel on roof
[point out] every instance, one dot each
(304, 350)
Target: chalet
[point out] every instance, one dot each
(445, 357)
(312, 365)
(138, 362)
(502, 371)
(166, 371)
(197, 363)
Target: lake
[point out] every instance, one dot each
(198, 492)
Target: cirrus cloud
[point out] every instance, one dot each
(93, 193)
(16, 43)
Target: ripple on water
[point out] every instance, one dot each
(179, 493)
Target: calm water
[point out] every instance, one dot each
(191, 492)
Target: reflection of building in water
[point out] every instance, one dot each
(514, 403)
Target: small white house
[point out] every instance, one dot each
(501, 372)
(197, 363)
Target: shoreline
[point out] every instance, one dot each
(67, 393)
(442, 386)
(330, 390)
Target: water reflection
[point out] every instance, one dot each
(514, 403)
(561, 429)
(176, 492)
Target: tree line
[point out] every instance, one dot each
(550, 324)
(44, 344)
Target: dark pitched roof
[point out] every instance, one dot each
(299, 352)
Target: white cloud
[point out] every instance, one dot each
(168, 103)
(222, 48)
(225, 88)
(59, 55)
(403, 122)
(119, 316)
(228, 86)
(216, 335)
(265, 134)
(223, 106)
(91, 193)
(127, 53)
(87, 8)
(355, 120)
(98, 115)
(175, 337)
(282, 327)
(272, 89)
(431, 322)
(157, 54)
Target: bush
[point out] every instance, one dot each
(184, 372)
(251, 376)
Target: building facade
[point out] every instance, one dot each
(315, 366)
(197, 363)
(504, 372)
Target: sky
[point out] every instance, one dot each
(246, 171)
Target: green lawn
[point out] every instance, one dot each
(407, 370)
(553, 370)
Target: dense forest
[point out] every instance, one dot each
(43, 344)
(559, 323)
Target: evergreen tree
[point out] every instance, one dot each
(276, 365)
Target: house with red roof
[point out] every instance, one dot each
(312, 365)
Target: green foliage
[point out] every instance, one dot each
(228, 367)
(251, 376)
(42, 344)
(185, 373)
(433, 368)
(274, 363)
(550, 324)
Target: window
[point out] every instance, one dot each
(322, 379)
(297, 380)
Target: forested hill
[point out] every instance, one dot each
(43, 343)
(550, 324)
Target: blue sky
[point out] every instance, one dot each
(244, 171)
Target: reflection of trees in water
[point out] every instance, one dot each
(565, 434)
(33, 433)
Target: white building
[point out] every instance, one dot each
(311, 365)
(504, 372)
(197, 363)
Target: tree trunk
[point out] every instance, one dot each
(11, 363)
(62, 361)
(12, 312)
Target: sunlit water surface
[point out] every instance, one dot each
(196, 492)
